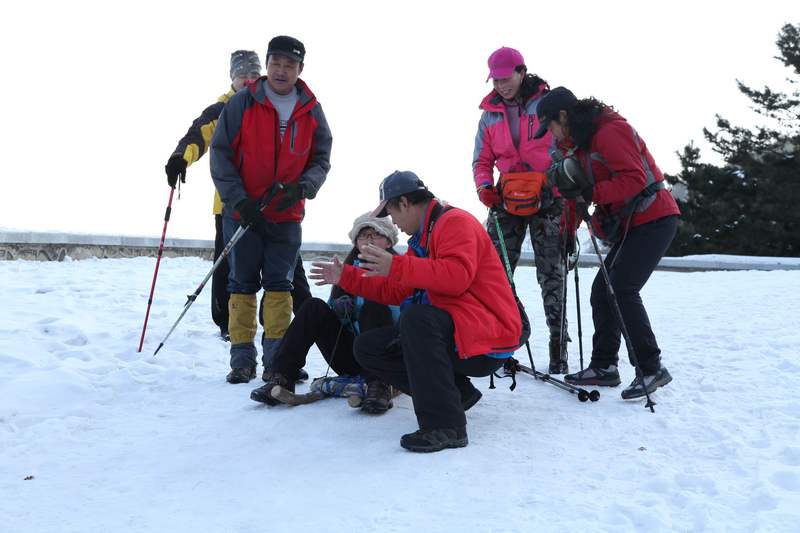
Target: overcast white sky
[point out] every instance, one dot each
(97, 94)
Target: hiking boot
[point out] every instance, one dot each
(434, 440)
(652, 382)
(558, 357)
(378, 399)
(468, 401)
(302, 375)
(469, 394)
(601, 377)
(241, 375)
(262, 394)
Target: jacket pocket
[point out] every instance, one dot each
(300, 138)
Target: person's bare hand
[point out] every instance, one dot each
(327, 273)
(376, 261)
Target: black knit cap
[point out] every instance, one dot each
(548, 107)
(287, 46)
(243, 62)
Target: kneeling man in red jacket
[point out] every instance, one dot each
(458, 315)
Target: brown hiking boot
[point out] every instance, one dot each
(378, 399)
(241, 375)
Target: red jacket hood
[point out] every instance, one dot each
(608, 115)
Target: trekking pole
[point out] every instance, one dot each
(335, 346)
(578, 301)
(583, 394)
(507, 264)
(158, 262)
(612, 297)
(562, 335)
(240, 231)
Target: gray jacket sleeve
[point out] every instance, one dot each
(317, 170)
(223, 170)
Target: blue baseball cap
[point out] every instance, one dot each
(396, 184)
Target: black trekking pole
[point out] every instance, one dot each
(578, 301)
(612, 297)
(513, 365)
(563, 335)
(577, 286)
(240, 231)
(583, 394)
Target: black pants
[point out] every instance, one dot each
(219, 281)
(630, 264)
(219, 284)
(418, 357)
(315, 322)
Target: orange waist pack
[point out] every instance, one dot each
(522, 192)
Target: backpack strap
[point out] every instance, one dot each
(437, 211)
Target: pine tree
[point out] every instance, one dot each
(751, 205)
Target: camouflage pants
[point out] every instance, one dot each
(545, 231)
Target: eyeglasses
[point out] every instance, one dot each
(369, 236)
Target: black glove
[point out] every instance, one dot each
(343, 307)
(175, 168)
(249, 213)
(292, 193)
(570, 192)
(571, 179)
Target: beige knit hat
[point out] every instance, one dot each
(382, 225)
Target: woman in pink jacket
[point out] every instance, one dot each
(523, 199)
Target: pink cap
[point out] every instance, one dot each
(502, 63)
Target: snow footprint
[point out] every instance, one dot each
(761, 500)
(78, 340)
(790, 456)
(786, 480)
(695, 483)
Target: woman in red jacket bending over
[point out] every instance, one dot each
(634, 212)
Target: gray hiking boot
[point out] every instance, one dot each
(601, 377)
(652, 382)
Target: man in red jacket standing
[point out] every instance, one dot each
(273, 136)
(458, 315)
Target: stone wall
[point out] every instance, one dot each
(34, 246)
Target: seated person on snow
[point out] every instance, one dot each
(334, 325)
(459, 317)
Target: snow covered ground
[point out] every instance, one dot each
(114, 440)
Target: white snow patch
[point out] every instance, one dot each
(117, 440)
